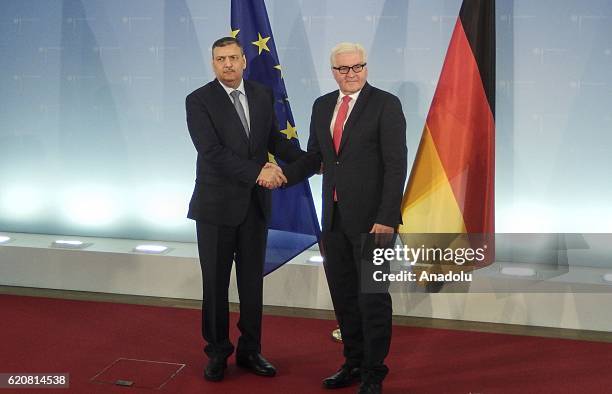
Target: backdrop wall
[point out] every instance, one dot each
(93, 138)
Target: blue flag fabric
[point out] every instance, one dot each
(294, 226)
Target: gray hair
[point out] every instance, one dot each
(347, 47)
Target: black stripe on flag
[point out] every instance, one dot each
(478, 20)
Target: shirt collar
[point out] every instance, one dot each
(353, 96)
(229, 90)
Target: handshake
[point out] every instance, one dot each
(271, 176)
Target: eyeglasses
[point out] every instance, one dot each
(357, 68)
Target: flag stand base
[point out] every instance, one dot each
(336, 335)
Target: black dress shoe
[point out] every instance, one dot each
(215, 369)
(343, 378)
(370, 388)
(256, 363)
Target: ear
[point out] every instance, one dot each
(244, 61)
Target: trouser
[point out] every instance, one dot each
(218, 247)
(364, 317)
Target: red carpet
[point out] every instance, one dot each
(82, 338)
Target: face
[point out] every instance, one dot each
(352, 82)
(229, 63)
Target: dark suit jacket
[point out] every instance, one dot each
(228, 162)
(370, 170)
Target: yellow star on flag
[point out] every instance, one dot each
(234, 33)
(271, 158)
(290, 131)
(261, 43)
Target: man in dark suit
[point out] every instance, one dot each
(359, 134)
(233, 126)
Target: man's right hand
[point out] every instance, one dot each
(271, 176)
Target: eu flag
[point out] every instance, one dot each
(294, 226)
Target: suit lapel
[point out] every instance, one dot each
(355, 113)
(326, 118)
(228, 107)
(254, 98)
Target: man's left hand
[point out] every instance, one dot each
(382, 234)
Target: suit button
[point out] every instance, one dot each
(337, 163)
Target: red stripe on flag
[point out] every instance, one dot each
(463, 129)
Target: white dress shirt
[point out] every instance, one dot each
(350, 108)
(243, 98)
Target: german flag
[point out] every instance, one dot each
(451, 186)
